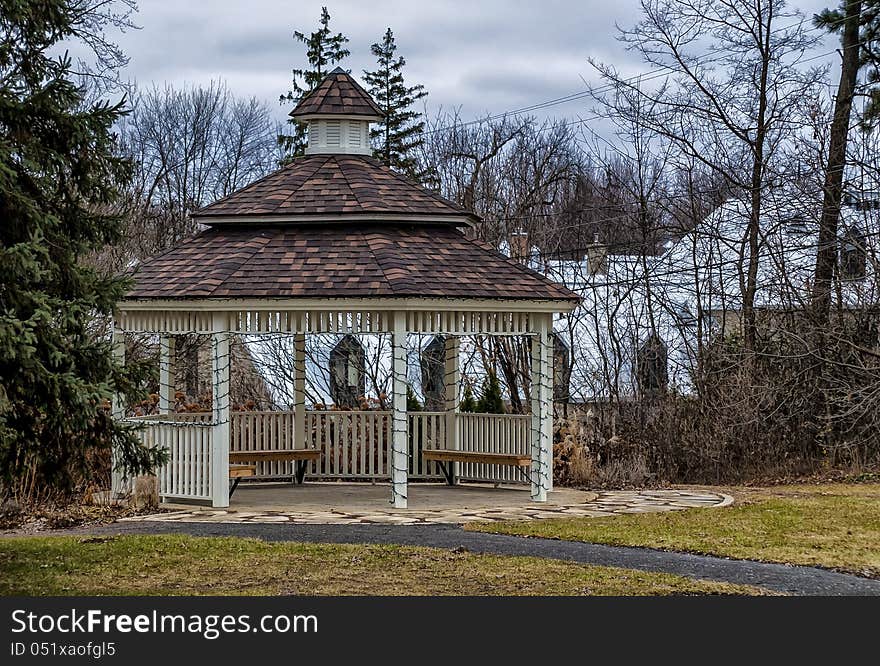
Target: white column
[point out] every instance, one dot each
(119, 485)
(220, 362)
(451, 381)
(166, 373)
(399, 418)
(542, 409)
(299, 391)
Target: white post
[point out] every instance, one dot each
(451, 381)
(542, 410)
(399, 418)
(220, 362)
(119, 485)
(299, 391)
(166, 374)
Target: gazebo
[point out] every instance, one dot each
(336, 242)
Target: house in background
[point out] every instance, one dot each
(644, 317)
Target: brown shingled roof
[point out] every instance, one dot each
(343, 261)
(338, 95)
(330, 185)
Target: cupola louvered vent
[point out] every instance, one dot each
(334, 132)
(339, 135)
(355, 139)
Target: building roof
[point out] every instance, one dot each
(338, 95)
(332, 185)
(339, 261)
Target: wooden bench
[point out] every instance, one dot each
(444, 456)
(300, 456)
(238, 472)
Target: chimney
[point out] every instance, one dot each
(597, 257)
(519, 245)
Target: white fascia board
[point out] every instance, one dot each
(337, 116)
(344, 305)
(340, 218)
(339, 150)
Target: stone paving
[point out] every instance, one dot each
(361, 505)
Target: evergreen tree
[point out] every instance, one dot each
(323, 49)
(867, 39)
(491, 400)
(468, 402)
(399, 134)
(858, 23)
(58, 178)
(412, 401)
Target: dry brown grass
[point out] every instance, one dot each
(184, 565)
(830, 525)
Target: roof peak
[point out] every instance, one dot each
(338, 94)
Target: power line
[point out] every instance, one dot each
(640, 78)
(606, 87)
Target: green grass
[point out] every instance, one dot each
(830, 525)
(184, 565)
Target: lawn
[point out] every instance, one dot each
(830, 525)
(185, 565)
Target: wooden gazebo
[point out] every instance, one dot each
(336, 242)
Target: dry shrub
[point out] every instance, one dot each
(584, 457)
(573, 464)
(11, 514)
(790, 408)
(146, 492)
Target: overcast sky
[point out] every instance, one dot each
(479, 55)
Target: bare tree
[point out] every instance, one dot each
(732, 101)
(190, 147)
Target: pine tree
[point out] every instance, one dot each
(868, 49)
(58, 178)
(468, 402)
(399, 134)
(491, 400)
(412, 401)
(858, 23)
(323, 49)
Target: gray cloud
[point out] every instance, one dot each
(486, 56)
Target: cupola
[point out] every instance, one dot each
(338, 113)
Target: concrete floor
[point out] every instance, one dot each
(367, 497)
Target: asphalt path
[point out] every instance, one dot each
(795, 580)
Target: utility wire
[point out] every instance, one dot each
(639, 78)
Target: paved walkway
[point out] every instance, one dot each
(776, 577)
(351, 504)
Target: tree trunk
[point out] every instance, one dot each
(826, 253)
(756, 198)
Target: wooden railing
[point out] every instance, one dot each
(496, 433)
(187, 439)
(356, 445)
(259, 431)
